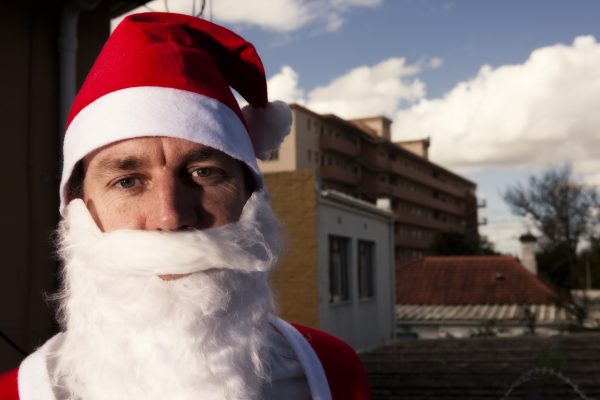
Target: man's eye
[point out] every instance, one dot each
(203, 172)
(126, 183)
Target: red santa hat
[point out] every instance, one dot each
(164, 74)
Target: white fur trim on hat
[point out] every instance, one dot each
(155, 111)
(268, 126)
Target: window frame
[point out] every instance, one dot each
(369, 273)
(340, 278)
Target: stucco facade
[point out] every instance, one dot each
(363, 323)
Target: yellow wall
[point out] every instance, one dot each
(295, 280)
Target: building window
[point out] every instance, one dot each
(339, 266)
(366, 269)
(309, 154)
(274, 155)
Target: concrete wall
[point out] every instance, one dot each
(294, 281)
(361, 323)
(308, 133)
(286, 160)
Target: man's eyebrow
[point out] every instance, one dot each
(128, 163)
(205, 153)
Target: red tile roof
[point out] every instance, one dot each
(469, 280)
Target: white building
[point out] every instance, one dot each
(356, 270)
(338, 272)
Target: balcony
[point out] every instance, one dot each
(412, 242)
(339, 174)
(383, 161)
(369, 156)
(428, 180)
(385, 189)
(339, 145)
(370, 184)
(428, 201)
(428, 222)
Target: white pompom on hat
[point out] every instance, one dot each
(165, 74)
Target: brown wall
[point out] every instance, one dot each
(30, 164)
(295, 280)
(29, 168)
(93, 30)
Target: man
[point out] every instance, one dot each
(167, 236)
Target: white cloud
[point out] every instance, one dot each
(333, 22)
(362, 91)
(276, 15)
(503, 231)
(284, 86)
(271, 15)
(435, 62)
(544, 111)
(356, 3)
(588, 170)
(369, 90)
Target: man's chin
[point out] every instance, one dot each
(172, 277)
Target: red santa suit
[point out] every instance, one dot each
(332, 369)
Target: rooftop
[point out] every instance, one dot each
(369, 134)
(463, 280)
(486, 368)
(500, 313)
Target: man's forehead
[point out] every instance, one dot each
(132, 153)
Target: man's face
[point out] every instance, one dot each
(179, 328)
(161, 183)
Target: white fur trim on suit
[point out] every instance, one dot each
(34, 378)
(155, 111)
(315, 375)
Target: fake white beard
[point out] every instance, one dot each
(131, 335)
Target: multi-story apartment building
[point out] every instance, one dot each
(357, 157)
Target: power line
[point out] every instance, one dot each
(201, 13)
(12, 344)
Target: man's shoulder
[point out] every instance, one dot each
(327, 345)
(344, 370)
(9, 389)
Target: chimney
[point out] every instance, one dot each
(380, 124)
(384, 203)
(419, 147)
(528, 242)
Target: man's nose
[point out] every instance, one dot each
(171, 206)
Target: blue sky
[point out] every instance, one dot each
(503, 88)
(465, 34)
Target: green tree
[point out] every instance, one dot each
(562, 210)
(588, 265)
